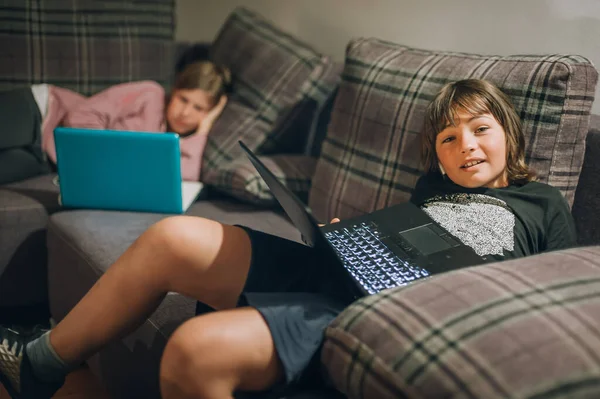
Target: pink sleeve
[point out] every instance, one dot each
(60, 101)
(129, 106)
(192, 149)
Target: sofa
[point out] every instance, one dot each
(344, 138)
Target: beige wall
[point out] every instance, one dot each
(483, 26)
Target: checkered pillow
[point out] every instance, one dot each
(371, 155)
(520, 329)
(279, 84)
(85, 46)
(245, 183)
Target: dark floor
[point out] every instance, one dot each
(80, 384)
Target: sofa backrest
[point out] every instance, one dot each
(370, 158)
(84, 45)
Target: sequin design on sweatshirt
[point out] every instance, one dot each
(484, 223)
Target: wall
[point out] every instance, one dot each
(481, 26)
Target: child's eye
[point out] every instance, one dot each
(183, 99)
(447, 139)
(198, 108)
(481, 129)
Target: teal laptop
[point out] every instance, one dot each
(122, 170)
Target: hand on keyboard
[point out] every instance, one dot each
(334, 220)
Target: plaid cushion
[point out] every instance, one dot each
(85, 46)
(520, 329)
(371, 155)
(279, 84)
(245, 183)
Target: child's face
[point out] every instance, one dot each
(473, 153)
(186, 109)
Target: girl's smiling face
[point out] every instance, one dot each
(473, 153)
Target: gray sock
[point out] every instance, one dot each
(45, 362)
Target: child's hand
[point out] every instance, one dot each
(334, 220)
(210, 118)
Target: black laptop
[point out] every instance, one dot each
(387, 248)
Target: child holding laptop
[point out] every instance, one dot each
(273, 297)
(199, 95)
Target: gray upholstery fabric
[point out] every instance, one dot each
(586, 208)
(521, 328)
(272, 104)
(24, 210)
(245, 183)
(40, 188)
(86, 46)
(83, 244)
(370, 157)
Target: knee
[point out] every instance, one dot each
(168, 232)
(190, 363)
(177, 237)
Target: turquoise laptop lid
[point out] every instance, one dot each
(119, 170)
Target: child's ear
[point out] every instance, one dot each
(442, 170)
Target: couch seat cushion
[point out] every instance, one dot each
(371, 154)
(521, 329)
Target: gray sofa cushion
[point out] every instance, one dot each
(527, 328)
(41, 189)
(279, 86)
(275, 75)
(86, 46)
(371, 154)
(244, 181)
(24, 210)
(83, 244)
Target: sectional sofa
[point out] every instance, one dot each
(345, 138)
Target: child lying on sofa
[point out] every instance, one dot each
(272, 296)
(196, 101)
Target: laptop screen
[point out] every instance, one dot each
(296, 210)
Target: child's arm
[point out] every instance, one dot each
(128, 106)
(192, 147)
(60, 102)
(207, 123)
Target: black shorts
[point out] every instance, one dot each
(291, 288)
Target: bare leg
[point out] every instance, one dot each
(212, 356)
(196, 257)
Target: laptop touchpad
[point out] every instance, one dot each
(425, 240)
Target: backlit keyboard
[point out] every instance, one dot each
(370, 261)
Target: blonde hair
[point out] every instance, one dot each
(206, 76)
(475, 97)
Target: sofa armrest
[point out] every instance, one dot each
(586, 207)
